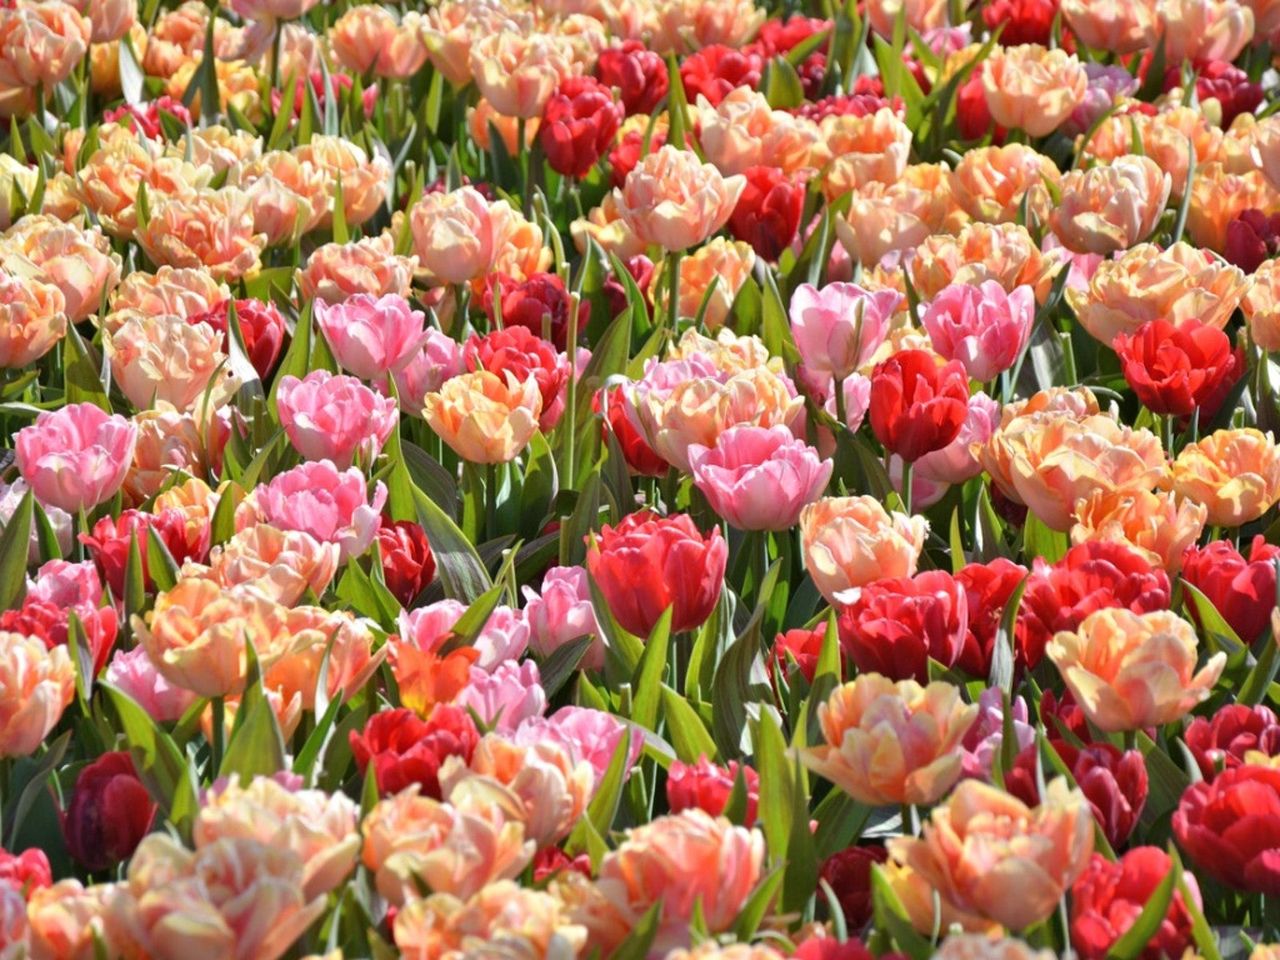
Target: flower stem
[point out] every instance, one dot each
(673, 291)
(906, 485)
(218, 744)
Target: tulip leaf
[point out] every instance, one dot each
(1039, 540)
(689, 736)
(312, 753)
(1002, 650)
(646, 685)
(604, 804)
(472, 622)
(19, 805)
(776, 788)
(636, 302)
(1256, 684)
(891, 917)
(296, 360)
(1147, 924)
(461, 572)
(368, 596)
(135, 580)
(15, 548)
(841, 820)
(622, 649)
(1202, 611)
(539, 486)
(556, 669)
(159, 763)
(1167, 781)
(81, 380)
(431, 478)
(1205, 939)
(826, 678)
(584, 518)
(639, 941)
(257, 745)
(781, 83)
(757, 906)
(801, 878)
(223, 524)
(677, 105)
(161, 566)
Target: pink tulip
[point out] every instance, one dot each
(586, 734)
(505, 635)
(983, 327)
(507, 697)
(857, 398)
(66, 584)
(954, 463)
(372, 336)
(759, 478)
(562, 613)
(328, 417)
(317, 498)
(133, 673)
(982, 742)
(838, 328)
(439, 359)
(427, 628)
(11, 496)
(76, 458)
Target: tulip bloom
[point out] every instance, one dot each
(1242, 590)
(768, 212)
(839, 328)
(328, 417)
(578, 125)
(521, 353)
(917, 405)
(638, 73)
(1234, 473)
(561, 612)
(1111, 207)
(1109, 896)
(990, 858)
(707, 786)
(1128, 670)
(408, 564)
(891, 743)
(405, 750)
(850, 542)
(1233, 737)
(1175, 369)
(1158, 525)
(1228, 826)
(76, 457)
(484, 417)
(897, 624)
(332, 506)
(674, 200)
(371, 337)
(1031, 88)
(983, 327)
(759, 478)
(38, 684)
(648, 563)
(109, 814)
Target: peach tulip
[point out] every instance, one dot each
(1115, 26)
(1005, 253)
(165, 359)
(1033, 89)
(675, 201)
(210, 229)
(281, 565)
(1235, 474)
(852, 541)
(336, 271)
(1109, 208)
(33, 319)
(991, 182)
(38, 684)
(485, 418)
(1261, 306)
(1158, 525)
(884, 218)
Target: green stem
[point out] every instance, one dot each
(473, 494)
(906, 485)
(673, 291)
(841, 412)
(523, 166)
(570, 415)
(218, 744)
(276, 43)
(491, 501)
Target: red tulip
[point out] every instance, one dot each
(261, 326)
(1114, 783)
(639, 455)
(1108, 897)
(1175, 369)
(1243, 591)
(896, 625)
(1064, 716)
(1231, 828)
(517, 351)
(549, 861)
(768, 212)
(707, 786)
(714, 71)
(25, 871)
(1223, 81)
(917, 404)
(407, 562)
(848, 873)
(110, 542)
(539, 303)
(829, 948)
(1221, 741)
(578, 125)
(973, 116)
(987, 588)
(109, 814)
(1025, 21)
(50, 622)
(628, 152)
(641, 269)
(648, 563)
(803, 647)
(1091, 576)
(639, 74)
(1252, 238)
(145, 117)
(405, 749)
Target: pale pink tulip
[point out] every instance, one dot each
(983, 327)
(133, 673)
(838, 328)
(561, 613)
(65, 584)
(505, 635)
(76, 458)
(759, 478)
(507, 697)
(372, 336)
(328, 417)
(317, 498)
(586, 734)
(439, 359)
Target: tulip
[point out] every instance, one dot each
(508, 913)
(708, 787)
(26, 872)
(758, 478)
(1116, 27)
(76, 457)
(917, 405)
(484, 417)
(39, 683)
(372, 337)
(638, 73)
(850, 542)
(1109, 896)
(332, 506)
(112, 539)
(561, 612)
(1204, 29)
(1094, 575)
(368, 39)
(981, 326)
(1252, 238)
(1235, 474)
(989, 857)
(519, 353)
(1242, 590)
(405, 750)
(648, 563)
(336, 271)
(109, 814)
(408, 564)
(725, 263)
(889, 742)
(885, 218)
(282, 565)
(1233, 737)
(578, 125)
(1109, 208)
(987, 588)
(610, 403)
(984, 740)
(675, 201)
(839, 328)
(585, 734)
(1003, 252)
(896, 625)
(687, 861)
(1129, 670)
(261, 326)
(133, 673)
(165, 359)
(848, 873)
(33, 319)
(1031, 88)
(1158, 525)
(336, 418)
(517, 72)
(1226, 827)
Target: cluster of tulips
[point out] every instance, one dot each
(639, 480)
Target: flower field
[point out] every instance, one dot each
(639, 480)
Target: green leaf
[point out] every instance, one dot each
(782, 86)
(340, 232)
(757, 906)
(160, 563)
(688, 734)
(81, 381)
(470, 624)
(1002, 653)
(604, 805)
(1255, 685)
(539, 486)
(1180, 224)
(1040, 541)
(556, 669)
(1211, 621)
(160, 765)
(256, 747)
(458, 565)
(312, 752)
(15, 547)
(19, 806)
(647, 684)
(1167, 781)
(135, 586)
(891, 917)
(1145, 926)
(638, 942)
(775, 805)
(1206, 940)
(677, 105)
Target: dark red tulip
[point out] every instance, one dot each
(1114, 783)
(896, 625)
(538, 303)
(638, 74)
(848, 873)
(1025, 21)
(1230, 828)
(408, 564)
(109, 814)
(261, 326)
(768, 212)
(1235, 729)
(1252, 239)
(1242, 589)
(578, 125)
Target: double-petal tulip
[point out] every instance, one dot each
(76, 457)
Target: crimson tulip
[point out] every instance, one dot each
(917, 404)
